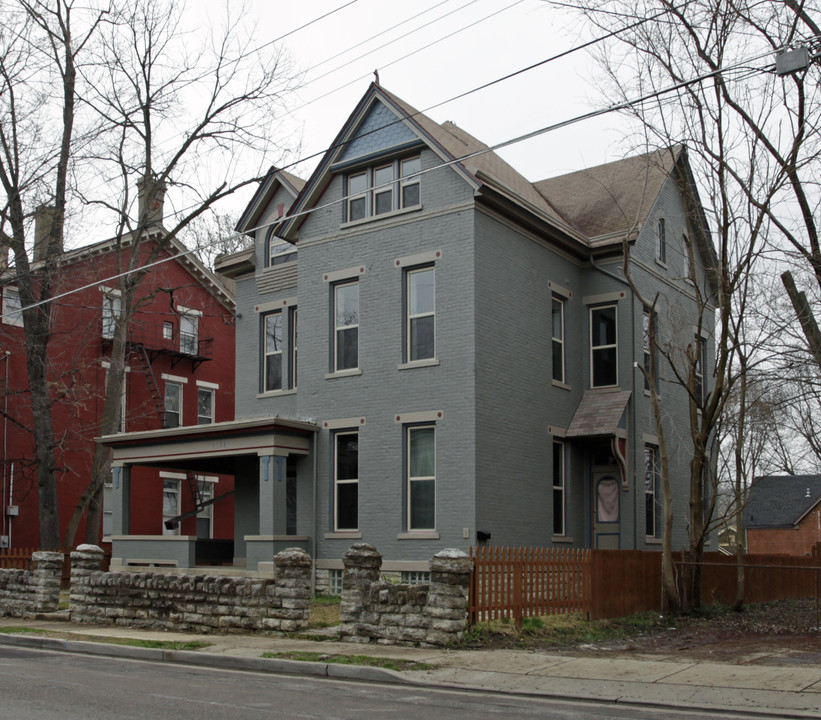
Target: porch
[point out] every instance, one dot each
(261, 454)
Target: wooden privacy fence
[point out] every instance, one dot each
(522, 582)
(515, 583)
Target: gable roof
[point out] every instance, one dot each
(584, 210)
(781, 501)
(614, 198)
(181, 254)
(273, 180)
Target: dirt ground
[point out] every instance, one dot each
(781, 633)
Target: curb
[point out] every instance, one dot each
(360, 673)
(224, 662)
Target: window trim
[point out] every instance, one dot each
(372, 190)
(651, 451)
(409, 429)
(562, 304)
(335, 437)
(191, 316)
(213, 405)
(615, 346)
(686, 250)
(559, 489)
(179, 386)
(409, 318)
(265, 355)
(661, 241)
(112, 310)
(292, 348)
(337, 329)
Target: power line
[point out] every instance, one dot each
(498, 146)
(552, 58)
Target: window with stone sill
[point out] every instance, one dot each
(383, 188)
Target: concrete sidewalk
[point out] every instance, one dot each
(760, 689)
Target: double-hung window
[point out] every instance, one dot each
(272, 351)
(652, 503)
(649, 338)
(346, 326)
(558, 325)
(603, 346)
(559, 499)
(293, 357)
(420, 291)
(12, 307)
(112, 309)
(346, 481)
(173, 404)
(170, 505)
(700, 351)
(205, 406)
(189, 332)
(661, 241)
(383, 188)
(421, 477)
(686, 251)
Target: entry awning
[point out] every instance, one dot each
(599, 414)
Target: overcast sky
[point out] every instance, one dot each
(472, 42)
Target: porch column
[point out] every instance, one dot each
(272, 507)
(121, 500)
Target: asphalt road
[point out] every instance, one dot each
(45, 685)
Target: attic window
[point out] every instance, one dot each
(277, 251)
(383, 188)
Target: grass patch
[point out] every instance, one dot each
(565, 630)
(131, 642)
(364, 660)
(15, 630)
(157, 644)
(324, 611)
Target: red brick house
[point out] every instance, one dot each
(783, 515)
(180, 371)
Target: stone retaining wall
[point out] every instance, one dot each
(197, 603)
(27, 592)
(399, 614)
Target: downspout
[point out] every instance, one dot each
(314, 516)
(634, 434)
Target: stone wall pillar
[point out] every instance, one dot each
(46, 573)
(362, 564)
(448, 596)
(293, 586)
(85, 560)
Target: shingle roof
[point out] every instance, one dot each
(781, 500)
(599, 413)
(487, 166)
(610, 198)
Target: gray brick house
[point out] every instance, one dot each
(444, 353)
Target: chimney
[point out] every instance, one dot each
(151, 194)
(44, 216)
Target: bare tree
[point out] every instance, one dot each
(705, 73)
(181, 120)
(41, 44)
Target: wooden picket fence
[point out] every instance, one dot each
(514, 583)
(20, 559)
(521, 582)
(16, 558)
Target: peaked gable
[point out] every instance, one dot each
(379, 132)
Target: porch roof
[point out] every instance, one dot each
(599, 414)
(211, 446)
